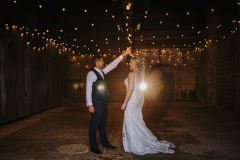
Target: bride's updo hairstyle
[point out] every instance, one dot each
(139, 64)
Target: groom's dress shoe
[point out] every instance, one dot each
(96, 150)
(110, 146)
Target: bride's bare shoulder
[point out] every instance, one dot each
(131, 75)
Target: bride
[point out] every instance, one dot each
(137, 138)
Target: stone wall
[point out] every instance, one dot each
(218, 68)
(179, 83)
(184, 83)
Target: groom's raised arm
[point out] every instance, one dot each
(112, 65)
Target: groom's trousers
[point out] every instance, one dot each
(98, 123)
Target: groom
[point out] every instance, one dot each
(96, 98)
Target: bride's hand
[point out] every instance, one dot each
(123, 107)
(128, 51)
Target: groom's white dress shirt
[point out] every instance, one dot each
(91, 77)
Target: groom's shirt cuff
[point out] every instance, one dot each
(89, 104)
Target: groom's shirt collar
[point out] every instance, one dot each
(99, 71)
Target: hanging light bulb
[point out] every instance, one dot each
(128, 6)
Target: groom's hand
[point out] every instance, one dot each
(91, 109)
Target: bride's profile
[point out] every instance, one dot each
(136, 137)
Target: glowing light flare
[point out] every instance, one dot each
(101, 87)
(143, 86)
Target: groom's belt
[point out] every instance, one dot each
(99, 99)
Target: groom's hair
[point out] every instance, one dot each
(96, 57)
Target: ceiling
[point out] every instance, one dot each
(90, 25)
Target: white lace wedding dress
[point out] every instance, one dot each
(137, 138)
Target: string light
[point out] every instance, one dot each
(128, 6)
(178, 25)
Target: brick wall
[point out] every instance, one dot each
(228, 73)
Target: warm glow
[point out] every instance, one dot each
(100, 87)
(143, 86)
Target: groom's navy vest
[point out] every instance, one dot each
(99, 88)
